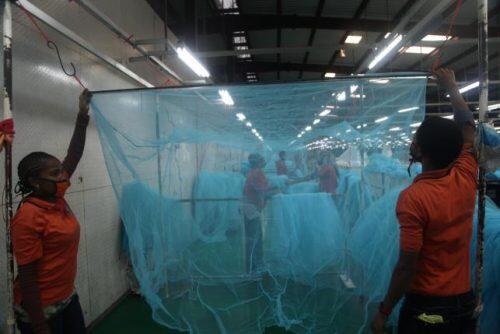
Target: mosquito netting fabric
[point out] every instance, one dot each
(311, 249)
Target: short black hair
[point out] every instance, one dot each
(254, 159)
(30, 166)
(282, 154)
(440, 140)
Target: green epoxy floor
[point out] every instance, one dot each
(133, 316)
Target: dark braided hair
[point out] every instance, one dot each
(29, 167)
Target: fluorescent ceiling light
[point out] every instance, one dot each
(348, 130)
(226, 97)
(414, 131)
(358, 96)
(254, 131)
(358, 127)
(448, 117)
(407, 109)
(415, 125)
(436, 38)
(353, 39)
(341, 96)
(380, 81)
(354, 88)
(385, 51)
(325, 112)
(316, 121)
(241, 116)
(249, 124)
(192, 62)
(330, 75)
(365, 125)
(387, 35)
(308, 128)
(382, 119)
(420, 49)
(469, 87)
(494, 107)
(299, 135)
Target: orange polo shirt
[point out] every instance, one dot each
(48, 233)
(435, 215)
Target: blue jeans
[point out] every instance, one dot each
(68, 321)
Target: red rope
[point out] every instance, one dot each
(437, 62)
(44, 36)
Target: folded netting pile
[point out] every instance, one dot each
(310, 250)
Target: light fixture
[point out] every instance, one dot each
(415, 125)
(494, 107)
(308, 128)
(353, 39)
(249, 124)
(365, 125)
(420, 49)
(341, 96)
(226, 97)
(354, 88)
(299, 135)
(382, 119)
(397, 128)
(325, 112)
(254, 131)
(380, 81)
(330, 75)
(348, 130)
(436, 38)
(358, 127)
(241, 117)
(387, 35)
(316, 121)
(395, 42)
(192, 62)
(448, 117)
(467, 88)
(407, 109)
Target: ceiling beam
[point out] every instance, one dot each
(359, 11)
(250, 22)
(259, 66)
(312, 34)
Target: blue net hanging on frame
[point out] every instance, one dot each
(207, 257)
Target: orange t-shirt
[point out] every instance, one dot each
(435, 215)
(48, 233)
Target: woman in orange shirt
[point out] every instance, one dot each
(45, 236)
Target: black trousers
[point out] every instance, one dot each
(68, 321)
(444, 315)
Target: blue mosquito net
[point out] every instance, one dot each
(227, 235)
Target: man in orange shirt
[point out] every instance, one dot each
(435, 214)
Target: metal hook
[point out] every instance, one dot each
(53, 46)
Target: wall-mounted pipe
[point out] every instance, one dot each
(107, 22)
(54, 24)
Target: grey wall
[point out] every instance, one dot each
(45, 107)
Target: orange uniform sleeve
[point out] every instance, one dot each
(26, 232)
(467, 163)
(411, 224)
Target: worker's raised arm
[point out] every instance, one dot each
(77, 144)
(461, 112)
